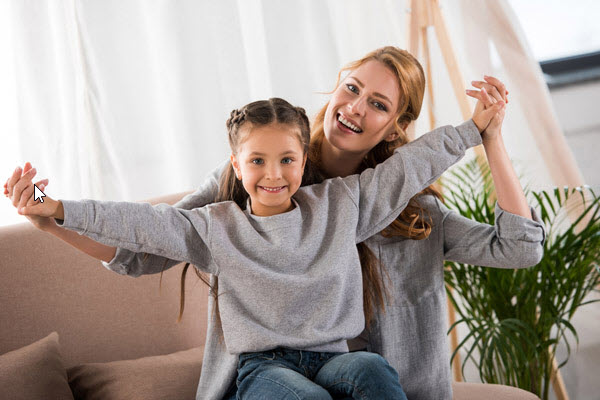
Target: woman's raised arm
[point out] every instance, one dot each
(508, 188)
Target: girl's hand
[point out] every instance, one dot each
(19, 189)
(49, 208)
(492, 91)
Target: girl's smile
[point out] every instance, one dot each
(278, 189)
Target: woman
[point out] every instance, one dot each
(359, 127)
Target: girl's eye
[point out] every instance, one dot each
(352, 88)
(380, 106)
(286, 160)
(257, 161)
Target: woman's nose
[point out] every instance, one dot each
(357, 106)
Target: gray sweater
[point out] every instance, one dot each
(294, 279)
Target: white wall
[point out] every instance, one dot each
(577, 109)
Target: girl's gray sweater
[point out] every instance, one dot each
(293, 279)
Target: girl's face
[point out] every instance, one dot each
(270, 162)
(362, 109)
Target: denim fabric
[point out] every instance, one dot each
(294, 374)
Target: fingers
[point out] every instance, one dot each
(30, 201)
(483, 96)
(23, 183)
(27, 167)
(25, 196)
(494, 86)
(498, 85)
(35, 209)
(491, 89)
(14, 178)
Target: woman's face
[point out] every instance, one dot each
(362, 109)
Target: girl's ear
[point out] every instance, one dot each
(236, 166)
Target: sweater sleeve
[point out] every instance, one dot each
(181, 235)
(513, 242)
(127, 262)
(381, 193)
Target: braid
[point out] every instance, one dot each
(236, 118)
(303, 117)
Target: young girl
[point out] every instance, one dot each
(289, 270)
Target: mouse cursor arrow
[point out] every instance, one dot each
(38, 194)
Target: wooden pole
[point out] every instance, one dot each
(457, 81)
(558, 384)
(420, 19)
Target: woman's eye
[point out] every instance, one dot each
(352, 88)
(257, 161)
(286, 160)
(380, 106)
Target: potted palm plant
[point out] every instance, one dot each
(517, 317)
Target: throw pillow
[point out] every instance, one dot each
(172, 376)
(34, 372)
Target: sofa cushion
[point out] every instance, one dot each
(171, 376)
(35, 371)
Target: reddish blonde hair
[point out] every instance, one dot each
(414, 222)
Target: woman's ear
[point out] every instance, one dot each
(393, 135)
(236, 166)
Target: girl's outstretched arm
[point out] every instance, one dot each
(164, 230)
(508, 188)
(19, 189)
(115, 258)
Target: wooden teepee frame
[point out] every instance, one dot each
(423, 16)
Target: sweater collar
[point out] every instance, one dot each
(284, 220)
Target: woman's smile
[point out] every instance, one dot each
(347, 125)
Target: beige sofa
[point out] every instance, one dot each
(101, 317)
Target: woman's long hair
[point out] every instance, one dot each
(413, 222)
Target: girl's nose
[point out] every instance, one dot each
(274, 172)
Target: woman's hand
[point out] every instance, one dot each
(19, 189)
(492, 91)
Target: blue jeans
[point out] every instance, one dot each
(293, 374)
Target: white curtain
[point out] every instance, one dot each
(127, 100)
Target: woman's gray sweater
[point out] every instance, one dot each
(412, 337)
